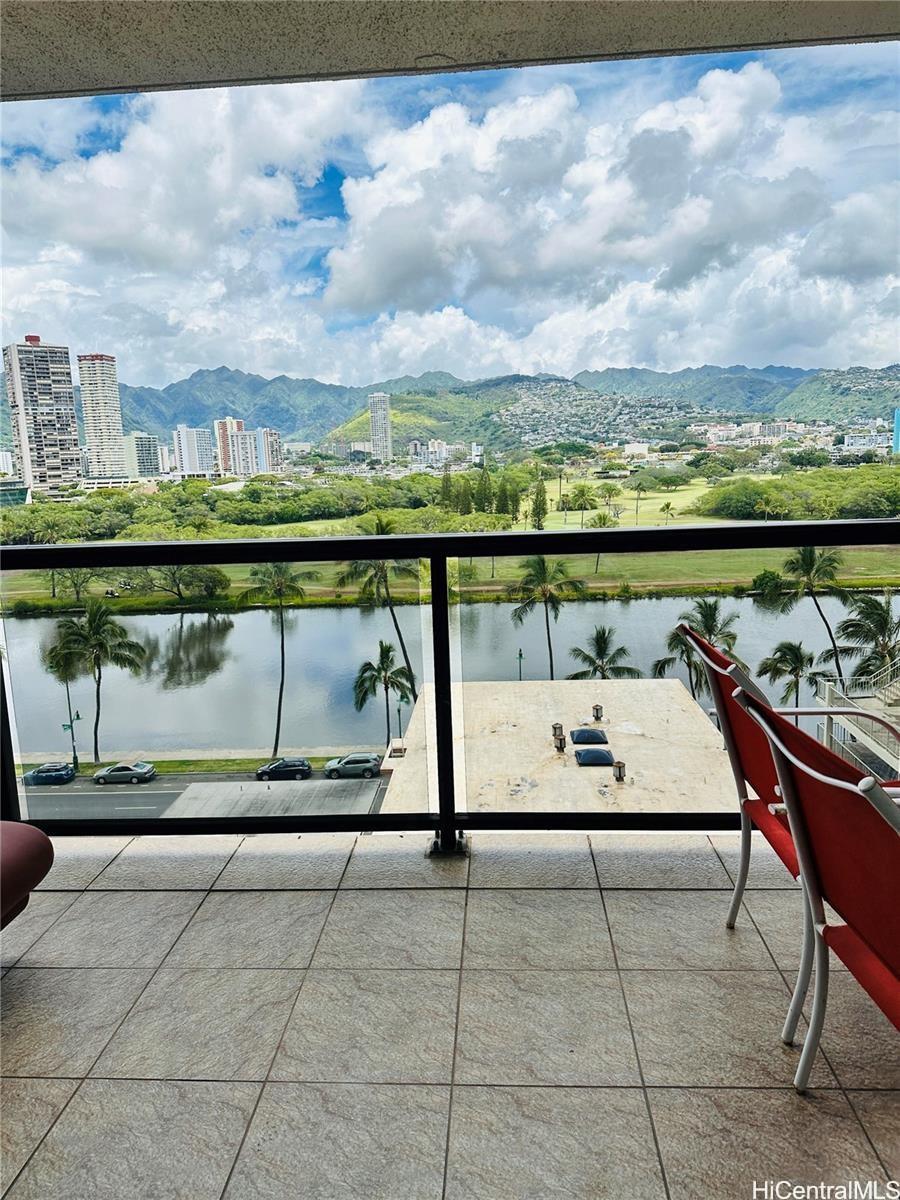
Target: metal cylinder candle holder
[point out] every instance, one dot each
(559, 742)
(557, 729)
(619, 771)
(598, 712)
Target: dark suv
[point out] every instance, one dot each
(49, 773)
(285, 768)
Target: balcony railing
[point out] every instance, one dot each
(439, 586)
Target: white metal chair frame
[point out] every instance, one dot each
(883, 801)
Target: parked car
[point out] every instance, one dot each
(587, 737)
(285, 768)
(352, 766)
(136, 772)
(594, 757)
(49, 773)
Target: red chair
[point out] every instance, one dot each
(847, 837)
(756, 783)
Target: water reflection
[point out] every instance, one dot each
(190, 653)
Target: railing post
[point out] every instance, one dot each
(448, 840)
(9, 788)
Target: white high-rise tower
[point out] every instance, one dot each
(102, 410)
(380, 426)
(42, 408)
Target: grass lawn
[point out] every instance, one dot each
(648, 510)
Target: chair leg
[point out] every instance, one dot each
(817, 1017)
(801, 987)
(743, 868)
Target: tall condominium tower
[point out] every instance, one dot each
(270, 451)
(255, 452)
(380, 425)
(141, 455)
(42, 409)
(194, 454)
(221, 431)
(102, 414)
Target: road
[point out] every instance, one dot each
(82, 798)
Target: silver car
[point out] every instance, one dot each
(136, 772)
(353, 766)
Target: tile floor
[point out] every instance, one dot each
(317, 1017)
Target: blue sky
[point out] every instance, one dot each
(657, 212)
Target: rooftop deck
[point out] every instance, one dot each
(331, 1016)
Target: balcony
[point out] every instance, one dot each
(557, 1014)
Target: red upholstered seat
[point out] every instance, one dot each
(865, 965)
(26, 855)
(774, 828)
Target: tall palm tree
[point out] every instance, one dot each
(790, 661)
(384, 674)
(65, 667)
(872, 632)
(815, 571)
(640, 490)
(601, 520)
(603, 659)
(582, 497)
(544, 581)
(608, 493)
(706, 618)
(277, 582)
(667, 510)
(95, 641)
(373, 578)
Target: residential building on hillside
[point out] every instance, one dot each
(102, 410)
(42, 411)
(194, 451)
(221, 431)
(269, 451)
(380, 426)
(141, 455)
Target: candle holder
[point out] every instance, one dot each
(619, 771)
(598, 712)
(557, 729)
(559, 741)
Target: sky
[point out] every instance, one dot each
(660, 213)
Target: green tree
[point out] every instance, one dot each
(384, 674)
(484, 491)
(790, 661)
(872, 633)
(95, 641)
(65, 666)
(706, 618)
(814, 572)
(603, 659)
(640, 491)
(278, 583)
(515, 502)
(539, 505)
(608, 493)
(546, 582)
(581, 498)
(601, 520)
(501, 504)
(373, 578)
(667, 510)
(447, 499)
(464, 497)
(76, 580)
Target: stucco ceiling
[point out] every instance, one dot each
(86, 47)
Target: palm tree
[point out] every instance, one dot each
(706, 618)
(608, 493)
(816, 571)
(373, 577)
(667, 510)
(65, 667)
(601, 520)
(602, 659)
(873, 632)
(545, 581)
(640, 490)
(95, 641)
(383, 674)
(582, 497)
(790, 661)
(278, 582)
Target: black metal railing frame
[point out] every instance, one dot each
(449, 822)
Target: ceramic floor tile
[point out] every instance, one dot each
(288, 860)
(535, 927)
(880, 1115)
(542, 860)
(169, 862)
(56, 1022)
(860, 1042)
(393, 928)
(766, 868)
(550, 1027)
(713, 1029)
(77, 861)
(510, 1143)
(203, 1024)
(401, 860)
(657, 861)
(25, 929)
(371, 1027)
(252, 929)
(680, 929)
(778, 915)
(29, 1108)
(356, 1142)
(141, 1140)
(114, 929)
(716, 1142)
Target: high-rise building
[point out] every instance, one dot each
(221, 430)
(380, 426)
(269, 451)
(895, 445)
(42, 409)
(243, 453)
(141, 454)
(102, 414)
(194, 453)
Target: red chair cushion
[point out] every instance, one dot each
(774, 828)
(864, 964)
